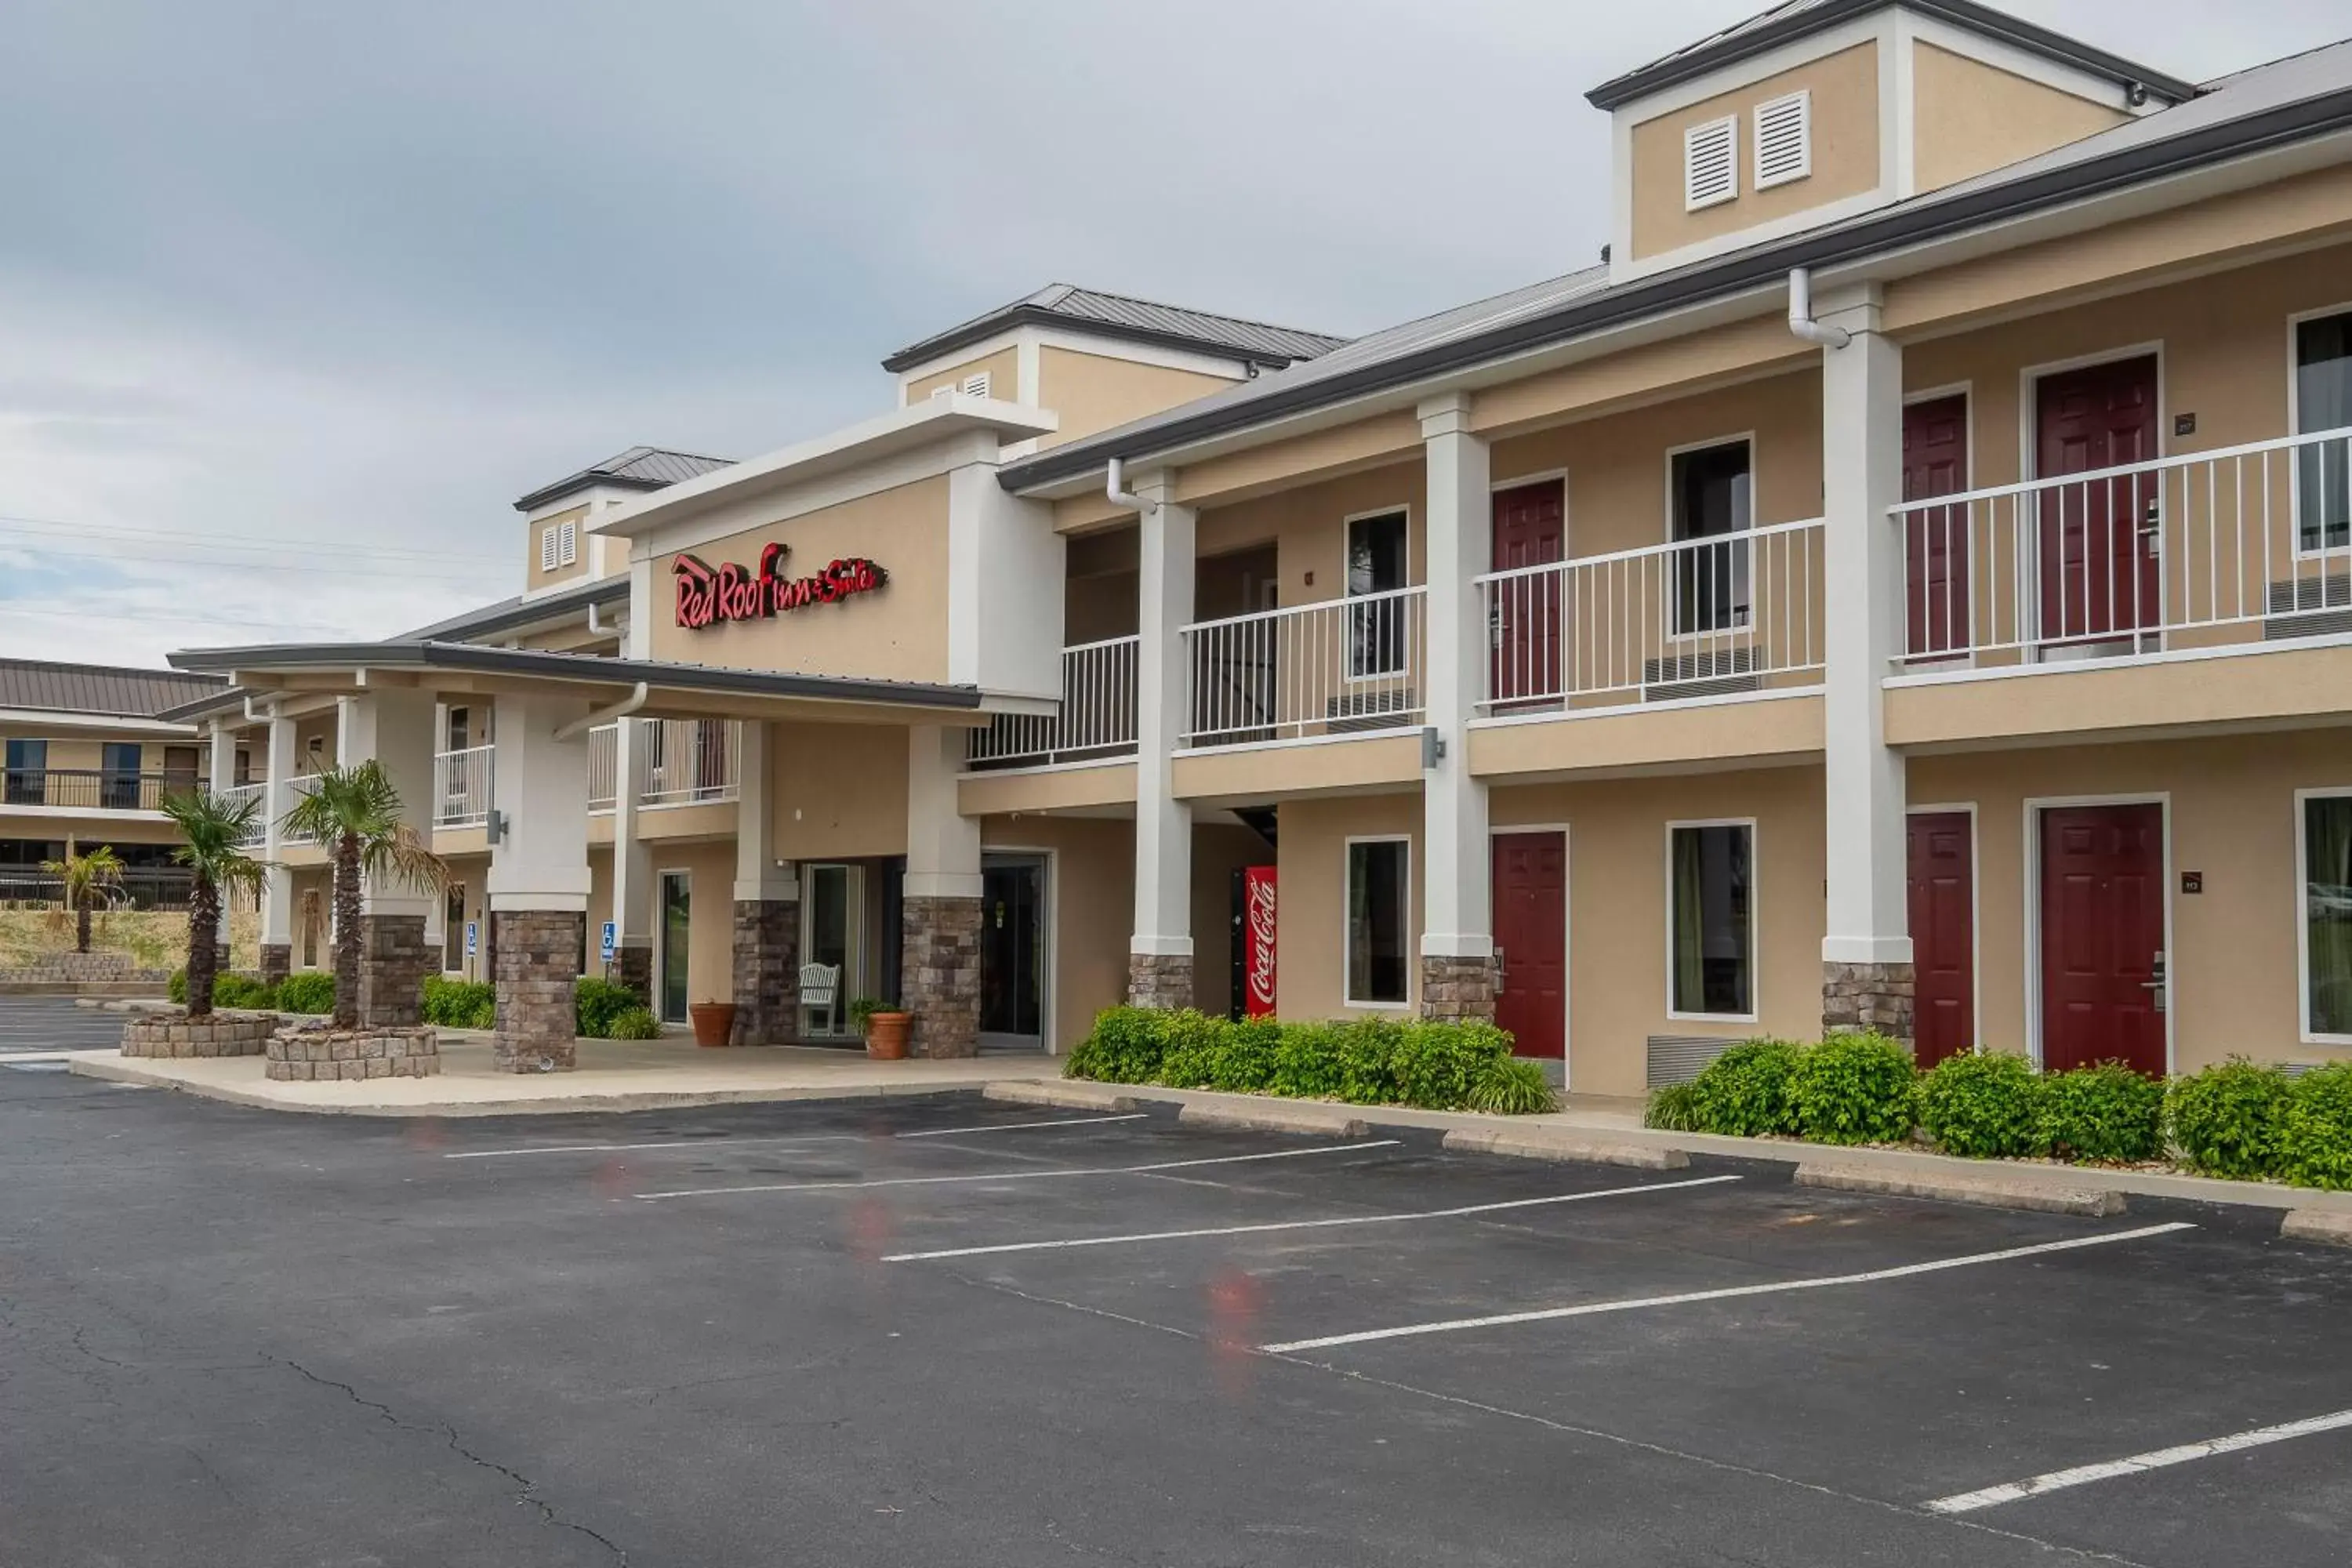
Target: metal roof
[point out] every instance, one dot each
(2298, 98)
(638, 468)
(1796, 19)
(1134, 321)
(508, 615)
(41, 685)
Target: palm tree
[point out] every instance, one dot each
(214, 829)
(87, 876)
(356, 812)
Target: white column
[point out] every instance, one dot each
(1456, 858)
(632, 864)
(392, 727)
(1862, 467)
(540, 784)
(222, 779)
(1163, 824)
(758, 875)
(277, 799)
(942, 843)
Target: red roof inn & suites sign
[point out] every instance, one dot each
(732, 592)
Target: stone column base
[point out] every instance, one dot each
(1160, 980)
(394, 962)
(276, 961)
(303, 1055)
(537, 977)
(939, 974)
(1868, 997)
(177, 1035)
(1454, 987)
(768, 972)
(633, 966)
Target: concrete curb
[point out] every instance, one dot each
(1988, 1191)
(1064, 1095)
(2329, 1227)
(1275, 1118)
(1557, 1146)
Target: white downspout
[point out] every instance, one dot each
(1801, 313)
(597, 626)
(1114, 482)
(621, 710)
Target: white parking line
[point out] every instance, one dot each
(1022, 1126)
(1595, 1309)
(2157, 1459)
(770, 1142)
(1026, 1175)
(1297, 1224)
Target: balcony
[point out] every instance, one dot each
(1345, 667)
(258, 834)
(1097, 717)
(1719, 617)
(603, 768)
(684, 762)
(90, 789)
(462, 784)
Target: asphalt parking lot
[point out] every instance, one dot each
(952, 1332)
(55, 1024)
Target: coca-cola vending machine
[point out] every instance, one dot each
(1258, 937)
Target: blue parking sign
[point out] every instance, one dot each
(611, 940)
(473, 938)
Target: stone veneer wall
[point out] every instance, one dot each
(940, 977)
(303, 1055)
(767, 973)
(1454, 987)
(536, 978)
(1878, 996)
(1162, 980)
(276, 961)
(394, 959)
(177, 1035)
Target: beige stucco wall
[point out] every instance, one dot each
(711, 925)
(532, 577)
(1968, 117)
(1095, 392)
(988, 794)
(1092, 905)
(1845, 131)
(1242, 774)
(838, 791)
(1218, 848)
(1782, 728)
(1310, 906)
(1004, 368)
(899, 633)
(1099, 594)
(1306, 525)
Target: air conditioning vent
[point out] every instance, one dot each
(976, 385)
(1710, 162)
(1784, 139)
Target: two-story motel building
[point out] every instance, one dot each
(1909, 581)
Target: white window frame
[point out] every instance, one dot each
(1745, 537)
(2302, 916)
(2294, 427)
(1755, 919)
(1728, 125)
(1348, 674)
(1803, 100)
(1347, 902)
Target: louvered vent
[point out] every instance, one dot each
(567, 552)
(976, 385)
(1710, 164)
(1784, 139)
(547, 550)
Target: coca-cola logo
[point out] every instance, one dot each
(1259, 913)
(707, 593)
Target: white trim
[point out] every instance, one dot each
(1049, 930)
(1027, 339)
(1347, 872)
(1567, 932)
(1821, 216)
(1975, 910)
(1755, 919)
(2303, 1030)
(1348, 673)
(2037, 68)
(1773, 694)
(2034, 806)
(661, 937)
(18, 720)
(2294, 427)
(1899, 110)
(1701, 134)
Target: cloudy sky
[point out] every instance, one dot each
(295, 298)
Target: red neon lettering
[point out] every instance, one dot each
(731, 593)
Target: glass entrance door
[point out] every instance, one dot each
(677, 924)
(830, 898)
(1012, 947)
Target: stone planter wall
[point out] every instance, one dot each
(301, 1054)
(177, 1035)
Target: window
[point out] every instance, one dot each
(28, 772)
(547, 549)
(1711, 951)
(1710, 490)
(568, 543)
(1784, 139)
(1380, 887)
(118, 786)
(461, 729)
(2323, 400)
(2327, 914)
(976, 385)
(1376, 564)
(1710, 162)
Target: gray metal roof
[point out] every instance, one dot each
(1134, 321)
(1794, 19)
(638, 468)
(2298, 98)
(510, 614)
(111, 690)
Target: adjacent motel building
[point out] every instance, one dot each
(1907, 582)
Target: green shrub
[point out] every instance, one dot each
(1192, 1043)
(176, 988)
(1854, 1089)
(2106, 1113)
(597, 1002)
(242, 991)
(1244, 1059)
(2227, 1121)
(460, 1004)
(634, 1024)
(1674, 1109)
(1746, 1091)
(2316, 1137)
(1986, 1107)
(1437, 1065)
(1510, 1086)
(1307, 1061)
(1125, 1046)
(307, 991)
(1365, 1047)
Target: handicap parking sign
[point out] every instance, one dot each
(611, 940)
(473, 938)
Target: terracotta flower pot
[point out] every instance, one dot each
(886, 1035)
(714, 1022)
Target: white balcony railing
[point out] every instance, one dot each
(1097, 719)
(686, 762)
(258, 834)
(298, 786)
(2243, 544)
(1737, 613)
(1346, 666)
(462, 783)
(603, 767)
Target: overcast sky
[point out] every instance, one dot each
(318, 290)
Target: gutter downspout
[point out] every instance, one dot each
(597, 623)
(621, 710)
(1114, 482)
(1801, 313)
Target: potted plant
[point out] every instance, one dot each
(714, 1022)
(884, 1027)
(213, 831)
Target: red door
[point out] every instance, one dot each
(1943, 934)
(2103, 997)
(1935, 555)
(1530, 530)
(1531, 941)
(2100, 538)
